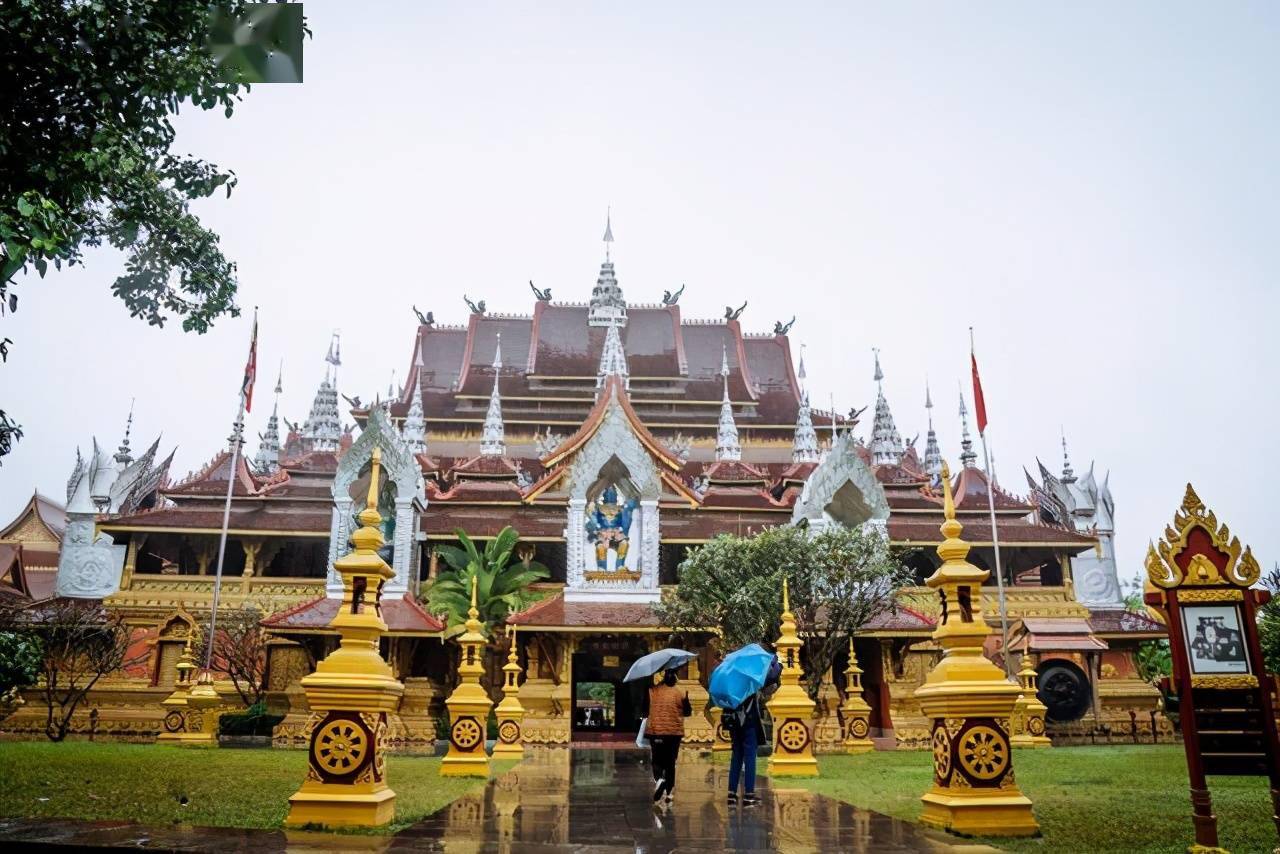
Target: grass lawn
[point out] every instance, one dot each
(158, 785)
(1087, 799)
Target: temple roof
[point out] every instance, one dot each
(553, 612)
(48, 516)
(403, 616)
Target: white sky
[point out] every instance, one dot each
(1093, 186)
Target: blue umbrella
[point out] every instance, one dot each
(663, 659)
(742, 673)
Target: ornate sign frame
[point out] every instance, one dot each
(1201, 581)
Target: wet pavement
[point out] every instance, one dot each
(560, 801)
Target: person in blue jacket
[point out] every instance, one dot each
(746, 730)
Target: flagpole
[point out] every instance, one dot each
(236, 440)
(995, 537)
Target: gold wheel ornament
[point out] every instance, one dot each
(174, 722)
(941, 752)
(509, 732)
(466, 734)
(984, 754)
(1036, 726)
(858, 728)
(340, 747)
(793, 736)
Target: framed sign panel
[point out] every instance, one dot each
(1215, 640)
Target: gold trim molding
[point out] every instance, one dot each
(1225, 682)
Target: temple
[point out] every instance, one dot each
(613, 436)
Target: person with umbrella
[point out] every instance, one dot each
(665, 708)
(736, 686)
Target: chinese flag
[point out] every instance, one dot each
(251, 368)
(979, 405)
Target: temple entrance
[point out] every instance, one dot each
(604, 707)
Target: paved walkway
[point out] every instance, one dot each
(580, 800)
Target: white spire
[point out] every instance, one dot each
(1068, 474)
(267, 460)
(613, 358)
(805, 447)
(493, 441)
(932, 454)
(727, 447)
(607, 308)
(886, 443)
(967, 455)
(392, 392)
(414, 429)
(323, 428)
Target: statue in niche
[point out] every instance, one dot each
(609, 525)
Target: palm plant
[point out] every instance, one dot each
(501, 586)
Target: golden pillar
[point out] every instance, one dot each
(855, 711)
(350, 694)
(723, 741)
(969, 702)
(790, 707)
(510, 712)
(1029, 712)
(202, 714)
(180, 725)
(468, 704)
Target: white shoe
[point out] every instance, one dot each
(657, 787)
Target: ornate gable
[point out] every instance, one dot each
(842, 489)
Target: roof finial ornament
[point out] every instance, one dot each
(1068, 474)
(727, 447)
(805, 447)
(124, 456)
(493, 440)
(968, 456)
(669, 298)
(414, 429)
(267, 460)
(608, 231)
(932, 453)
(886, 442)
(322, 431)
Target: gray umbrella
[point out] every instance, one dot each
(663, 659)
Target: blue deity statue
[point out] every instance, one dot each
(609, 524)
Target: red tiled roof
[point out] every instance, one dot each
(734, 471)
(487, 465)
(402, 616)
(900, 619)
(970, 490)
(613, 389)
(555, 612)
(1122, 621)
(255, 518)
(924, 529)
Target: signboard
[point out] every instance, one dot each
(1201, 581)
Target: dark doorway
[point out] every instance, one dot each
(603, 703)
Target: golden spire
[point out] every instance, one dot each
(368, 537)
(786, 600)
(511, 637)
(473, 623)
(952, 548)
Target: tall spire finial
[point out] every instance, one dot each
(267, 460)
(608, 231)
(886, 442)
(727, 447)
(123, 455)
(322, 431)
(493, 440)
(414, 429)
(1068, 474)
(932, 453)
(968, 456)
(805, 447)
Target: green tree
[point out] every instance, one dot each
(85, 136)
(501, 586)
(839, 580)
(1269, 623)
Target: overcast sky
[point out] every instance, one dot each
(1093, 186)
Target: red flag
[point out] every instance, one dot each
(979, 405)
(251, 368)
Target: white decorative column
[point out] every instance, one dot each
(575, 536)
(402, 559)
(339, 533)
(649, 544)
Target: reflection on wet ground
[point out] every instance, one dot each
(556, 800)
(599, 800)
